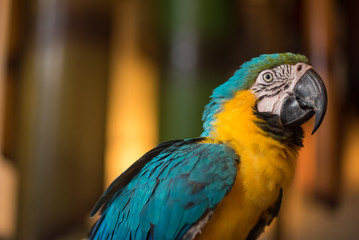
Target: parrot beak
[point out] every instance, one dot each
(309, 97)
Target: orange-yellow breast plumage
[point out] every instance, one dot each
(265, 166)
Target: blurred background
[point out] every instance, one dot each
(87, 87)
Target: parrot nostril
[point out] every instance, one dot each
(299, 67)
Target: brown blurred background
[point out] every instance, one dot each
(86, 87)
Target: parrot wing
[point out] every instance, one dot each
(169, 193)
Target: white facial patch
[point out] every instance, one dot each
(272, 86)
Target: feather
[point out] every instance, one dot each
(171, 195)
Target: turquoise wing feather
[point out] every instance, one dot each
(166, 191)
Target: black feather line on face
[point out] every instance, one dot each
(289, 70)
(269, 93)
(283, 71)
(281, 85)
(278, 74)
(274, 93)
(264, 85)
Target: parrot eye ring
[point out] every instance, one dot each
(268, 77)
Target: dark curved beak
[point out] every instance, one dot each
(309, 97)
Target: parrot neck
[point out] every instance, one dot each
(267, 155)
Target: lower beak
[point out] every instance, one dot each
(309, 97)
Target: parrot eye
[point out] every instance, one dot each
(268, 77)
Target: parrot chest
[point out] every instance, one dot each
(259, 180)
(266, 166)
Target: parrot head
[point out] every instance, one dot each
(284, 85)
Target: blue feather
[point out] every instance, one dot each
(170, 194)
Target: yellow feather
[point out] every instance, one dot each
(266, 166)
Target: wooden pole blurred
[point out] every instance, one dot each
(7, 170)
(61, 116)
(321, 37)
(132, 127)
(4, 24)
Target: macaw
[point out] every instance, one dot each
(228, 183)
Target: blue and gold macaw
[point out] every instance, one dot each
(228, 183)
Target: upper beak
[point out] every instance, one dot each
(309, 97)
